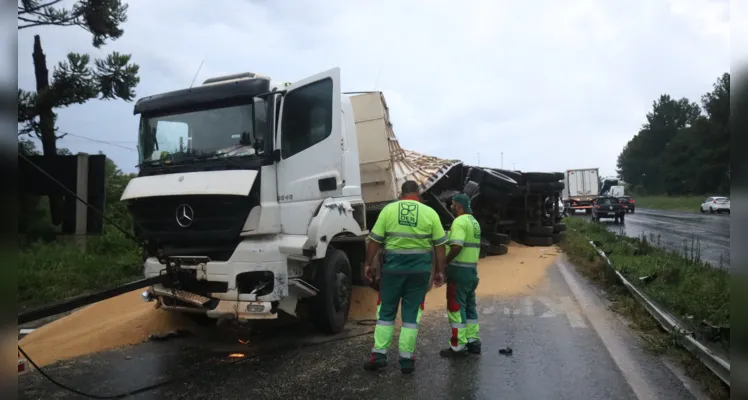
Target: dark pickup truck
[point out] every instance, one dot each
(608, 207)
(628, 203)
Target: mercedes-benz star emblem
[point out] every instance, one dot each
(185, 215)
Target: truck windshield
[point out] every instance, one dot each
(200, 133)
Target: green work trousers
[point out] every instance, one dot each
(461, 307)
(394, 287)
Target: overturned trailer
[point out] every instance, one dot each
(506, 203)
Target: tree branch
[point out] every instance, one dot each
(27, 10)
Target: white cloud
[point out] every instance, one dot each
(553, 85)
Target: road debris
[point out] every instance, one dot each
(169, 335)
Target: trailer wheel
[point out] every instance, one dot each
(471, 189)
(516, 175)
(497, 238)
(557, 238)
(497, 179)
(504, 249)
(559, 227)
(541, 231)
(497, 250)
(537, 241)
(587, 211)
(330, 307)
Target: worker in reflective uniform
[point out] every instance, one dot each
(409, 230)
(462, 280)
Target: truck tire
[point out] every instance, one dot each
(516, 175)
(471, 188)
(545, 186)
(498, 180)
(543, 177)
(587, 211)
(498, 250)
(537, 241)
(540, 231)
(497, 238)
(557, 238)
(330, 307)
(559, 227)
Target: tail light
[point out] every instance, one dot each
(632, 201)
(598, 207)
(715, 201)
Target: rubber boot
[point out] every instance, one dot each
(474, 347)
(407, 365)
(377, 361)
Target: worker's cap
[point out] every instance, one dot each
(463, 200)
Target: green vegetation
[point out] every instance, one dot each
(52, 267)
(675, 203)
(691, 290)
(683, 285)
(681, 151)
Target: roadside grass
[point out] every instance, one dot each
(674, 203)
(684, 286)
(49, 272)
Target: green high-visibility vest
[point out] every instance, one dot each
(465, 232)
(408, 229)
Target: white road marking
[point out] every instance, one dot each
(551, 307)
(527, 306)
(488, 310)
(517, 311)
(572, 313)
(507, 311)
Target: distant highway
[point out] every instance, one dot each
(673, 230)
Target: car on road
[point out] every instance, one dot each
(608, 207)
(716, 204)
(628, 203)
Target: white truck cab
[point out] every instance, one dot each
(243, 186)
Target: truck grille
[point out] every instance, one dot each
(214, 219)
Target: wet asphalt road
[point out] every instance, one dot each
(675, 231)
(566, 344)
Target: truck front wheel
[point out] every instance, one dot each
(329, 308)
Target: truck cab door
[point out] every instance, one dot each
(310, 166)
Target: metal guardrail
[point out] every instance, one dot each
(718, 365)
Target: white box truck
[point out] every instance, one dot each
(582, 189)
(255, 196)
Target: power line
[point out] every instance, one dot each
(103, 142)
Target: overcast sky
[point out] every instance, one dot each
(552, 84)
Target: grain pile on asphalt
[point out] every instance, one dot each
(515, 273)
(116, 322)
